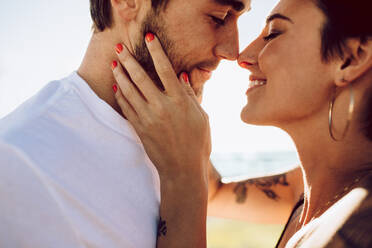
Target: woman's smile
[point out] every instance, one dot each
(255, 83)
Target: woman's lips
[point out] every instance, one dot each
(255, 84)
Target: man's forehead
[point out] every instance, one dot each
(237, 5)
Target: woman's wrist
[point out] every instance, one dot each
(183, 213)
(175, 171)
(193, 187)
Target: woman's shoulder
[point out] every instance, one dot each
(356, 231)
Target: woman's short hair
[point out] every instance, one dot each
(100, 11)
(346, 19)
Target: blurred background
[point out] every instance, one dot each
(43, 40)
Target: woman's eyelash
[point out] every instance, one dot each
(218, 21)
(271, 36)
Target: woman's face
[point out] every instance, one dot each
(292, 82)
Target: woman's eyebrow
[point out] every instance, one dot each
(278, 16)
(235, 4)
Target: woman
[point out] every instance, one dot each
(311, 76)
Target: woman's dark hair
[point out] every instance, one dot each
(344, 19)
(100, 11)
(347, 19)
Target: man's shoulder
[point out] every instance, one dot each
(9, 153)
(27, 205)
(37, 103)
(33, 115)
(14, 165)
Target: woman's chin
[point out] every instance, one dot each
(253, 117)
(248, 116)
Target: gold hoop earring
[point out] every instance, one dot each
(350, 114)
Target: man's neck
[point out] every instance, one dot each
(95, 68)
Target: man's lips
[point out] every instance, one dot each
(206, 70)
(206, 73)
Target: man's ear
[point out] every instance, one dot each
(356, 62)
(125, 10)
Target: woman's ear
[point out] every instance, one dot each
(357, 61)
(125, 10)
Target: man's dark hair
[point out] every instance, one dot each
(100, 11)
(346, 19)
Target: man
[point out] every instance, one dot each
(73, 173)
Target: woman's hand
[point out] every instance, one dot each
(173, 127)
(175, 133)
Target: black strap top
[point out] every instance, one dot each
(298, 204)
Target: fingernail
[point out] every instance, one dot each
(149, 37)
(185, 77)
(245, 64)
(114, 64)
(119, 48)
(115, 88)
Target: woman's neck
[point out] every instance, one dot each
(328, 166)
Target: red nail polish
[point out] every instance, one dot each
(115, 88)
(245, 64)
(119, 48)
(114, 64)
(185, 77)
(150, 37)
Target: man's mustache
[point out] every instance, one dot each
(207, 65)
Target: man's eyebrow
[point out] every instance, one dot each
(236, 5)
(278, 16)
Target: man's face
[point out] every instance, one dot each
(196, 35)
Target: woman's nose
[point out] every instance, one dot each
(249, 56)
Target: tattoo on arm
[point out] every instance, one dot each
(264, 184)
(162, 227)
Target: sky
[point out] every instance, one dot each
(45, 40)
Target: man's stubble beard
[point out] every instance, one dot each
(154, 23)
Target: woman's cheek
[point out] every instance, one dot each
(265, 59)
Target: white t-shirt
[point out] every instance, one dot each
(73, 173)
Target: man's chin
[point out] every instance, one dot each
(198, 78)
(197, 82)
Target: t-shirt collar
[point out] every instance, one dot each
(102, 110)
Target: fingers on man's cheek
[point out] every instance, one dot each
(116, 70)
(121, 78)
(126, 107)
(151, 39)
(119, 97)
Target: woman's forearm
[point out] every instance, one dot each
(183, 213)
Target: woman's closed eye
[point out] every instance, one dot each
(272, 35)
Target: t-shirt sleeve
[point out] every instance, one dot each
(29, 214)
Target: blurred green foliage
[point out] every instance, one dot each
(223, 233)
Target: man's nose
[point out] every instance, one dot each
(228, 46)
